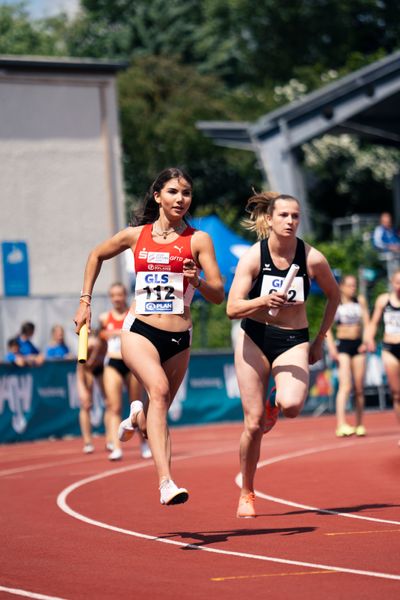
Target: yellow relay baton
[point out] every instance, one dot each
(83, 344)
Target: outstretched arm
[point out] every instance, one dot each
(112, 247)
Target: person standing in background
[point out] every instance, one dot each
(349, 351)
(13, 355)
(57, 348)
(116, 374)
(86, 375)
(387, 307)
(31, 354)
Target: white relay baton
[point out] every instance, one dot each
(287, 282)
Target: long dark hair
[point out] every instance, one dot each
(150, 210)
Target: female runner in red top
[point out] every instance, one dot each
(156, 336)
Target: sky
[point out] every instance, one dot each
(44, 8)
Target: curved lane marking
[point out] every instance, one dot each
(26, 594)
(300, 454)
(64, 506)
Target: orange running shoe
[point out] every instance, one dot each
(272, 412)
(246, 508)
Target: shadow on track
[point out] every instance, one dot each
(206, 538)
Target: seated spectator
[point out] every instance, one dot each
(385, 237)
(13, 355)
(31, 354)
(57, 348)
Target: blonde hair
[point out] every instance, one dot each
(260, 205)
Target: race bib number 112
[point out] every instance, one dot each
(158, 293)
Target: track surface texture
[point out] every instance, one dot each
(76, 526)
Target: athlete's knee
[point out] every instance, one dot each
(291, 412)
(113, 408)
(159, 393)
(253, 426)
(290, 407)
(345, 388)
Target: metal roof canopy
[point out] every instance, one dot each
(29, 64)
(365, 103)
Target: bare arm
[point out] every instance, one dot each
(112, 247)
(380, 304)
(239, 306)
(320, 270)
(211, 287)
(365, 319)
(330, 342)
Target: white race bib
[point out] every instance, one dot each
(159, 293)
(272, 283)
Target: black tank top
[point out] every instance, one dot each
(270, 278)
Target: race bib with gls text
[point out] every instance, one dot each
(271, 284)
(158, 293)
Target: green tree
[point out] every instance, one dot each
(160, 101)
(19, 35)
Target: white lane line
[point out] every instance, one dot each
(64, 506)
(45, 465)
(300, 454)
(26, 594)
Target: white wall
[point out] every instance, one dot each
(60, 175)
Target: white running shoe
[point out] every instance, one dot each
(116, 454)
(126, 428)
(145, 450)
(109, 446)
(171, 494)
(88, 449)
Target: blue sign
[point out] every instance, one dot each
(15, 268)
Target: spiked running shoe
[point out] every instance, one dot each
(361, 431)
(126, 428)
(171, 494)
(345, 430)
(246, 508)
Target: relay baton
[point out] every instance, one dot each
(83, 344)
(287, 282)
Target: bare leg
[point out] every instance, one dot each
(392, 368)
(345, 386)
(161, 383)
(85, 389)
(358, 367)
(252, 370)
(291, 374)
(113, 386)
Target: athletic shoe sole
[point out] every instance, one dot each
(179, 498)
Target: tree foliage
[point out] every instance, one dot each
(19, 35)
(160, 102)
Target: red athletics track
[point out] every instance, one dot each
(78, 527)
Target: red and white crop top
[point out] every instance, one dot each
(160, 284)
(113, 324)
